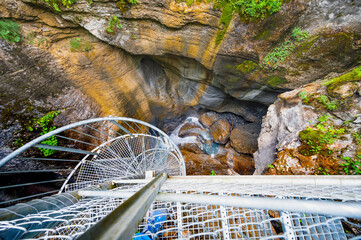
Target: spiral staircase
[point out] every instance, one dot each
(121, 178)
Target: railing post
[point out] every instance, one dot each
(123, 221)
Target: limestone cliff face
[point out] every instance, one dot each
(166, 53)
(165, 57)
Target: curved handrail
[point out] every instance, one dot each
(73, 125)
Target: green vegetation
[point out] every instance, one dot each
(305, 97)
(323, 171)
(322, 101)
(317, 137)
(9, 31)
(298, 35)
(282, 51)
(330, 105)
(78, 45)
(56, 3)
(188, 2)
(42, 125)
(124, 5)
(356, 137)
(224, 21)
(352, 76)
(352, 167)
(248, 10)
(270, 166)
(213, 173)
(246, 66)
(255, 9)
(113, 25)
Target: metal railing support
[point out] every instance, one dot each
(123, 221)
(330, 208)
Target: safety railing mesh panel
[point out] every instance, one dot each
(352, 193)
(178, 220)
(197, 221)
(64, 223)
(128, 156)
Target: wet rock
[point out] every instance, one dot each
(241, 163)
(203, 164)
(208, 118)
(244, 164)
(244, 138)
(190, 147)
(190, 129)
(220, 131)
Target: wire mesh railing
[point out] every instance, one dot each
(99, 172)
(89, 151)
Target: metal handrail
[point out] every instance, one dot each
(128, 128)
(73, 125)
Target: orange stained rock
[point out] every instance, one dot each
(116, 89)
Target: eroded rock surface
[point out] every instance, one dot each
(220, 131)
(165, 59)
(312, 130)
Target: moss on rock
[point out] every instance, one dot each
(336, 83)
(274, 81)
(247, 66)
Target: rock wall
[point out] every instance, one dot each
(314, 129)
(164, 58)
(180, 42)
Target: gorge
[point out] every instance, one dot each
(213, 73)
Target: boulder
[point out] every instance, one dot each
(203, 164)
(244, 164)
(220, 131)
(208, 118)
(241, 163)
(244, 138)
(190, 147)
(190, 129)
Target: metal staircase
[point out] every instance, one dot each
(121, 178)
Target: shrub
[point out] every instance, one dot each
(9, 31)
(330, 105)
(41, 125)
(351, 166)
(44, 124)
(256, 9)
(248, 10)
(56, 3)
(113, 25)
(299, 35)
(124, 5)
